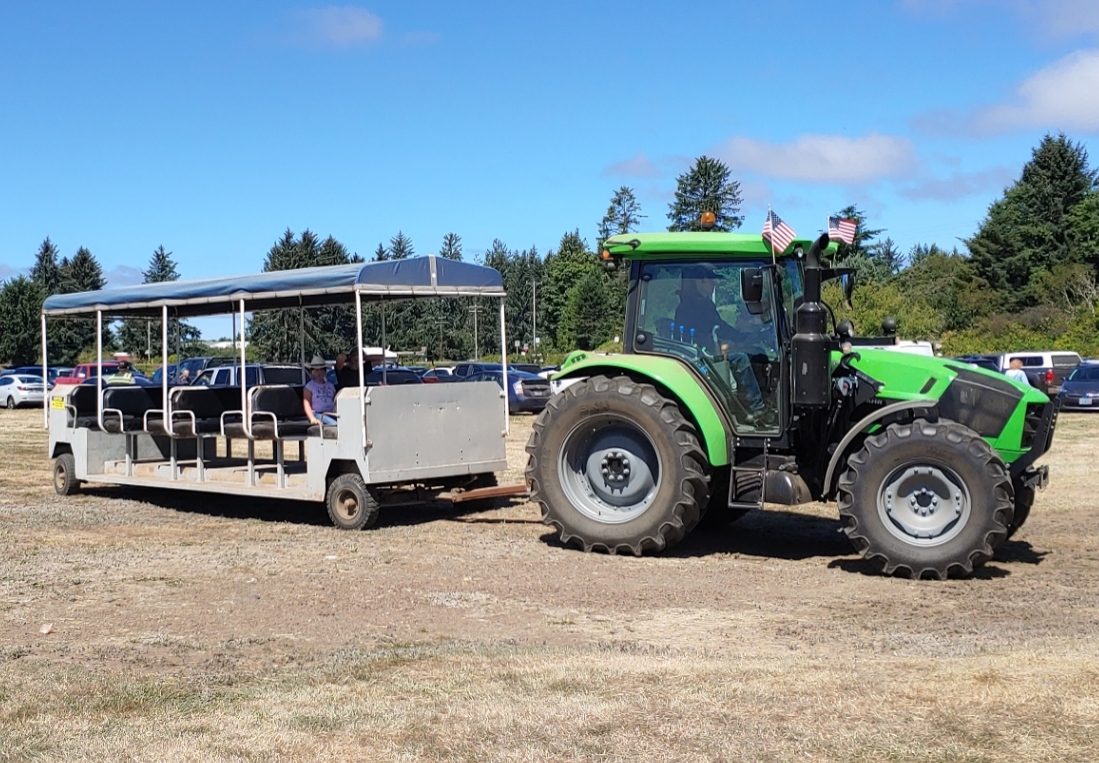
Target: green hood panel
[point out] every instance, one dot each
(669, 373)
(917, 377)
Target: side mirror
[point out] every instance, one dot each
(751, 285)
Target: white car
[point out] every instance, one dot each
(18, 390)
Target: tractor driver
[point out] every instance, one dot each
(698, 314)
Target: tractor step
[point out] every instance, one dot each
(743, 480)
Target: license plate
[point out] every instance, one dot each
(1085, 401)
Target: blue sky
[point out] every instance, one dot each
(211, 127)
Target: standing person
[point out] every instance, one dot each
(319, 396)
(1015, 371)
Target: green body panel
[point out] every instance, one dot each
(904, 377)
(670, 373)
(660, 245)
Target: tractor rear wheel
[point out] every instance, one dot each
(615, 466)
(926, 500)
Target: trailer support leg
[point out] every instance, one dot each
(251, 463)
(280, 469)
(129, 455)
(174, 461)
(200, 445)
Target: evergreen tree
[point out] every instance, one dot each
(563, 269)
(706, 187)
(77, 335)
(623, 215)
(864, 237)
(584, 320)
(142, 337)
(381, 254)
(400, 247)
(46, 272)
(1029, 229)
(20, 321)
(452, 247)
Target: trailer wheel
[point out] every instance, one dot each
(615, 466)
(64, 474)
(351, 504)
(926, 500)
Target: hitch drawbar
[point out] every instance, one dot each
(458, 495)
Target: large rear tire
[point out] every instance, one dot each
(926, 500)
(351, 504)
(616, 467)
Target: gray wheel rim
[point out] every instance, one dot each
(60, 476)
(347, 505)
(609, 469)
(924, 504)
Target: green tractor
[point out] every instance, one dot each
(735, 387)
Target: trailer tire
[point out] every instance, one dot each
(615, 466)
(351, 503)
(926, 500)
(64, 474)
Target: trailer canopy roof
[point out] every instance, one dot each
(429, 276)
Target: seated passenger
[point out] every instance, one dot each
(319, 396)
(123, 376)
(698, 318)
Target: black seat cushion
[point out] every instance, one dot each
(132, 402)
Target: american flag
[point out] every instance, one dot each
(842, 230)
(778, 233)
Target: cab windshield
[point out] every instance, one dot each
(696, 312)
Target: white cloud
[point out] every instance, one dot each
(340, 26)
(124, 275)
(959, 185)
(637, 166)
(1064, 95)
(829, 159)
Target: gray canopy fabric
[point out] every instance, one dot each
(429, 276)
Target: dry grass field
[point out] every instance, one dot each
(164, 626)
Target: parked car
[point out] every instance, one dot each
(526, 391)
(158, 375)
(1045, 369)
(467, 369)
(438, 375)
(86, 371)
(264, 373)
(548, 371)
(195, 366)
(393, 375)
(52, 372)
(17, 390)
(1080, 391)
(987, 362)
(529, 368)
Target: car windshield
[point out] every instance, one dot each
(30, 379)
(1085, 373)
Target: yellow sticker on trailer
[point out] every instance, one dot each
(57, 402)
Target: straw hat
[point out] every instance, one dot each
(316, 362)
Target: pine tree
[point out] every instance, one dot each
(142, 337)
(584, 320)
(381, 254)
(46, 272)
(71, 336)
(623, 215)
(563, 270)
(706, 187)
(1028, 231)
(400, 247)
(20, 311)
(452, 247)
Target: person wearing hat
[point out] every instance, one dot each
(698, 321)
(319, 396)
(124, 375)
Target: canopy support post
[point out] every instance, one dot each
(99, 368)
(243, 378)
(362, 371)
(165, 404)
(301, 339)
(504, 366)
(45, 378)
(385, 347)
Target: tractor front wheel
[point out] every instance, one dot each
(926, 500)
(617, 467)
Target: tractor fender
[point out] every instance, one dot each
(674, 380)
(841, 449)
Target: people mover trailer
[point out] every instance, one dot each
(734, 390)
(392, 444)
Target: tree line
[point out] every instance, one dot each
(1026, 278)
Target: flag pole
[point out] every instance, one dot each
(771, 220)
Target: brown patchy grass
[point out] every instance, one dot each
(215, 629)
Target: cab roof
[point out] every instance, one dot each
(708, 242)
